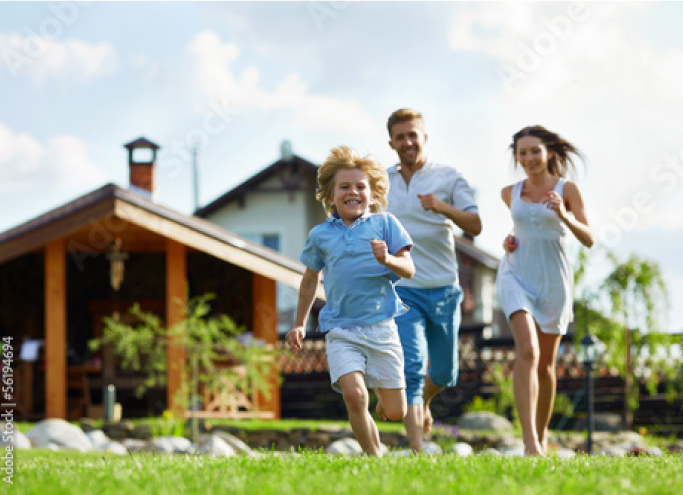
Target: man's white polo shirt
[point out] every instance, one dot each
(433, 234)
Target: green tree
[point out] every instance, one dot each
(211, 344)
(633, 297)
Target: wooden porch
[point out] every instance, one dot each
(73, 243)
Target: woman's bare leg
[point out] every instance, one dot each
(547, 384)
(526, 378)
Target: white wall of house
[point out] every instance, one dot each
(485, 294)
(265, 214)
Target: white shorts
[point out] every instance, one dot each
(374, 350)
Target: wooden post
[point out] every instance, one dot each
(55, 329)
(176, 302)
(628, 381)
(265, 327)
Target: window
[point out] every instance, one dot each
(271, 241)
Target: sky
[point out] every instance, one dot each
(235, 79)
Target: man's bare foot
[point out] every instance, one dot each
(428, 420)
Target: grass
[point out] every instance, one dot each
(42, 471)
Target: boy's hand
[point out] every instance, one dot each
(294, 338)
(380, 250)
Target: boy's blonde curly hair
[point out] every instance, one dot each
(347, 158)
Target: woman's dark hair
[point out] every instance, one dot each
(561, 161)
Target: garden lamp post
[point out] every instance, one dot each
(589, 353)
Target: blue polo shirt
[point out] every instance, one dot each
(358, 289)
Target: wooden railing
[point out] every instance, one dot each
(235, 398)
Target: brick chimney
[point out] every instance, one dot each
(141, 157)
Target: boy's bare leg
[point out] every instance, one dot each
(357, 401)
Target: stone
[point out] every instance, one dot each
(612, 451)
(430, 448)
(18, 441)
(484, 420)
(119, 430)
(133, 444)
(97, 438)
(564, 453)
(216, 446)
(237, 445)
(345, 446)
(59, 433)
(171, 445)
(113, 447)
(462, 449)
(513, 451)
(400, 453)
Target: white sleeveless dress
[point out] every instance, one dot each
(537, 277)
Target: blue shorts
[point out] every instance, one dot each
(429, 336)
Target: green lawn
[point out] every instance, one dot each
(41, 471)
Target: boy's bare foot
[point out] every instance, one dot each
(428, 420)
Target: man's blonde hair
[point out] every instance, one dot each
(404, 115)
(346, 158)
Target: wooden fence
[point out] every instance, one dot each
(306, 390)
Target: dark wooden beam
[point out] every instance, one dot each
(176, 304)
(265, 327)
(55, 329)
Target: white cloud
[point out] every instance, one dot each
(217, 80)
(600, 84)
(41, 58)
(27, 165)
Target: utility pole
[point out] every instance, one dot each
(195, 177)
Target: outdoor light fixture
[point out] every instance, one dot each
(116, 263)
(590, 348)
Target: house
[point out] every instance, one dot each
(277, 208)
(62, 271)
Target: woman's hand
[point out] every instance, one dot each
(556, 203)
(510, 243)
